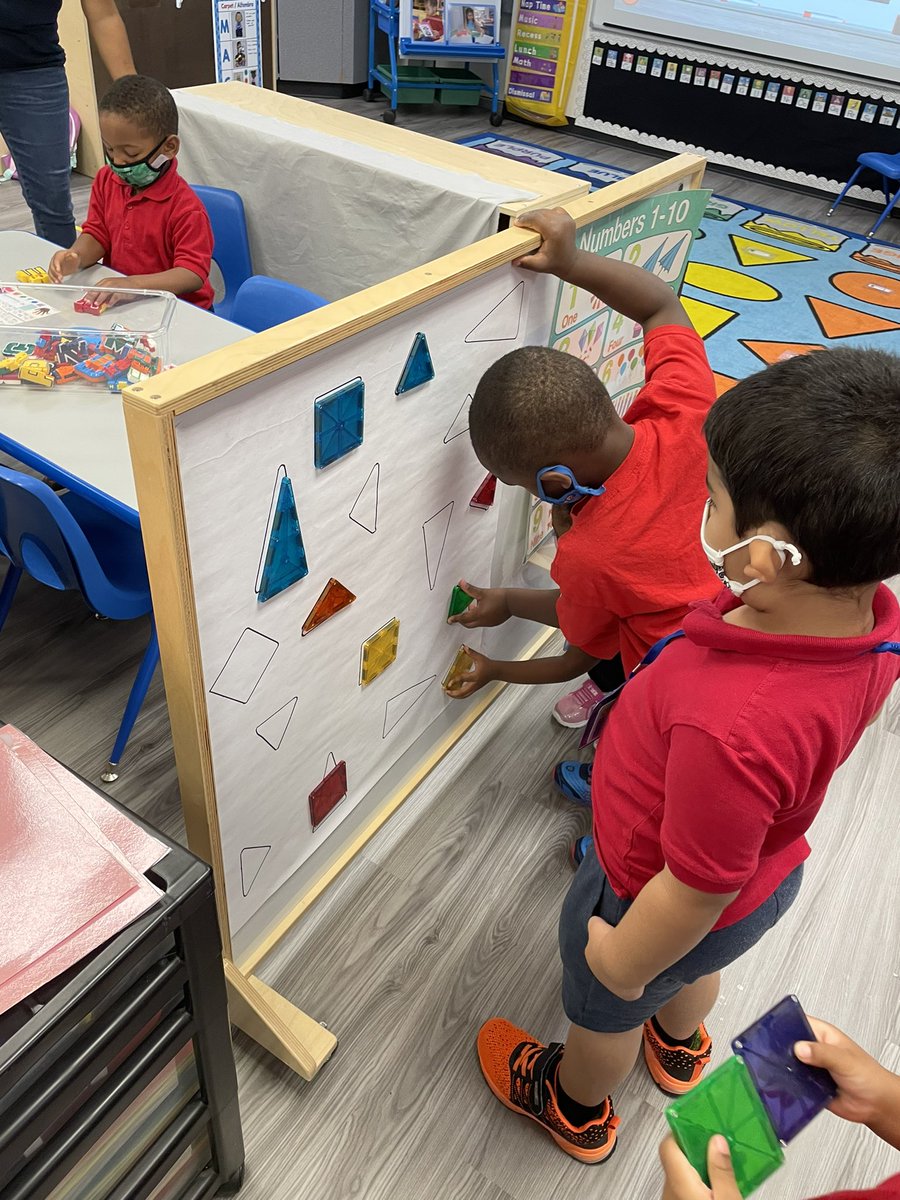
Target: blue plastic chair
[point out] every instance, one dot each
(69, 544)
(888, 167)
(231, 247)
(262, 302)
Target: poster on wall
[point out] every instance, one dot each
(546, 35)
(238, 52)
(428, 23)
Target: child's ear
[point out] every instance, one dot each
(171, 145)
(764, 563)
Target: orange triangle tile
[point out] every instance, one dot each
(723, 383)
(838, 321)
(773, 352)
(334, 597)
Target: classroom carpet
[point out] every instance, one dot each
(762, 286)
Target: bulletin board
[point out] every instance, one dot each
(308, 498)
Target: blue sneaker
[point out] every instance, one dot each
(574, 781)
(579, 849)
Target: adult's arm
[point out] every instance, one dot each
(110, 36)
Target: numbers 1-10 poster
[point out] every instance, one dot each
(238, 55)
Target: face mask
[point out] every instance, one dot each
(717, 557)
(574, 492)
(141, 174)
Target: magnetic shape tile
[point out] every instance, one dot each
(252, 859)
(365, 507)
(434, 531)
(459, 601)
(285, 561)
(378, 652)
(339, 422)
(726, 1102)
(328, 794)
(501, 323)
(462, 663)
(792, 1092)
(273, 728)
(418, 368)
(244, 667)
(484, 496)
(398, 706)
(460, 423)
(334, 597)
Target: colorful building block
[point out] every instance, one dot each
(33, 275)
(36, 370)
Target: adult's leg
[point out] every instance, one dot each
(34, 121)
(685, 1012)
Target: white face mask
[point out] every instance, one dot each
(717, 557)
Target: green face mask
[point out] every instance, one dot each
(141, 174)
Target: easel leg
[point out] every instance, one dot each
(289, 1034)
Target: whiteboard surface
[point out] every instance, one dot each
(231, 452)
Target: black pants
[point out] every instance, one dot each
(608, 674)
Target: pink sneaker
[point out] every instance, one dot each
(574, 709)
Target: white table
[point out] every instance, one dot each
(78, 438)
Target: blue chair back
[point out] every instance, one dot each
(231, 246)
(42, 537)
(262, 302)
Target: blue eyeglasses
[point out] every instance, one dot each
(575, 490)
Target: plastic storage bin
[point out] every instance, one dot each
(46, 342)
(422, 81)
(458, 85)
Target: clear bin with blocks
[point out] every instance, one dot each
(81, 337)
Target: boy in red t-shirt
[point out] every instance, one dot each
(143, 219)
(715, 758)
(868, 1094)
(628, 564)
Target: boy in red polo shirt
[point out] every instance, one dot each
(715, 758)
(629, 564)
(143, 219)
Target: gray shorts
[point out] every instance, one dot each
(589, 1004)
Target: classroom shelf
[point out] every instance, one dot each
(117, 1080)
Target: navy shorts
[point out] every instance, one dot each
(589, 1004)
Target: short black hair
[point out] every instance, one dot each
(145, 101)
(814, 444)
(534, 407)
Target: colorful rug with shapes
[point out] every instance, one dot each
(762, 285)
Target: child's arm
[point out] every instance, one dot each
(666, 921)
(493, 606)
(84, 252)
(628, 290)
(559, 669)
(178, 281)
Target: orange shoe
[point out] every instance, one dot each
(675, 1069)
(522, 1075)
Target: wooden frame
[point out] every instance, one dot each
(150, 413)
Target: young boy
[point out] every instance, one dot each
(715, 758)
(143, 219)
(629, 564)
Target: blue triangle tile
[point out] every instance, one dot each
(419, 368)
(339, 421)
(285, 556)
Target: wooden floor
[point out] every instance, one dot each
(449, 916)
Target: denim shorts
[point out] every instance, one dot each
(589, 1004)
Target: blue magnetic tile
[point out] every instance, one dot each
(418, 369)
(339, 422)
(285, 560)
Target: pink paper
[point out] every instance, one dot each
(140, 849)
(65, 887)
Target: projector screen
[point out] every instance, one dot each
(853, 37)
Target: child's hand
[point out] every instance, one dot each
(476, 677)
(557, 251)
(490, 607)
(597, 953)
(683, 1182)
(864, 1085)
(63, 263)
(108, 298)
